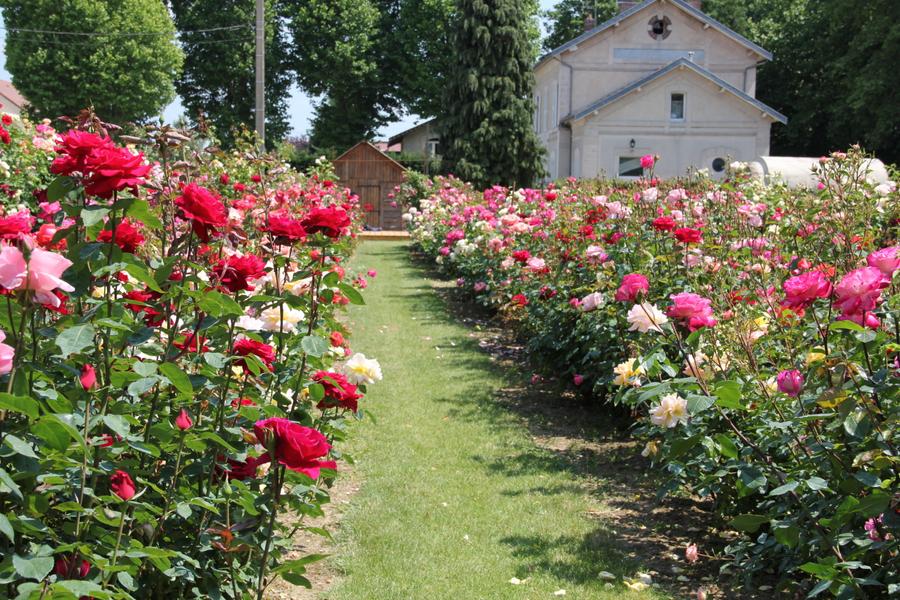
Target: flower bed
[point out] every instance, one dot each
(176, 379)
(752, 332)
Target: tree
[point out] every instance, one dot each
(566, 19)
(118, 55)
(488, 120)
(219, 68)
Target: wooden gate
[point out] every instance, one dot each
(372, 175)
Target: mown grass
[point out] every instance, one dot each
(456, 499)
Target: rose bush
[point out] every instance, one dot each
(165, 427)
(752, 332)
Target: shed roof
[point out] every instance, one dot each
(681, 63)
(368, 146)
(702, 16)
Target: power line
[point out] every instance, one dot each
(126, 34)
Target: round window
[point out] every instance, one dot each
(658, 28)
(718, 165)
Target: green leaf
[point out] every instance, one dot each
(216, 360)
(874, 504)
(784, 489)
(20, 404)
(868, 479)
(32, 568)
(748, 523)
(292, 565)
(52, 431)
(352, 293)
(75, 339)
(788, 536)
(91, 215)
(821, 571)
(726, 446)
(314, 345)
(849, 325)
(143, 275)
(140, 210)
(59, 187)
(11, 486)
(80, 588)
(19, 446)
(816, 483)
(142, 386)
(177, 377)
(219, 305)
(728, 395)
(697, 403)
(118, 424)
(7, 529)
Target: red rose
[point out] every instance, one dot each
(191, 343)
(122, 485)
(664, 224)
(633, 285)
(338, 391)
(295, 446)
(284, 229)
(247, 346)
(255, 178)
(183, 421)
(88, 377)
(14, 225)
(152, 316)
(203, 209)
(329, 221)
(67, 563)
(519, 300)
(242, 470)
(74, 148)
(521, 256)
(688, 235)
(128, 238)
(109, 169)
(224, 179)
(7, 119)
(235, 272)
(336, 338)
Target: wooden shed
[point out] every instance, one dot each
(372, 175)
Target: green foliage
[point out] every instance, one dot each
(567, 18)
(487, 126)
(219, 68)
(125, 77)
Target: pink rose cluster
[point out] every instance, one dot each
(801, 291)
(40, 274)
(633, 285)
(858, 294)
(693, 310)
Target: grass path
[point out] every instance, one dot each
(455, 497)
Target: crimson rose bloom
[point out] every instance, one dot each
(122, 485)
(235, 272)
(128, 238)
(688, 235)
(633, 284)
(203, 209)
(338, 391)
(284, 229)
(329, 221)
(693, 310)
(664, 223)
(66, 563)
(74, 148)
(296, 447)
(109, 169)
(16, 224)
(521, 256)
(245, 346)
(152, 317)
(801, 291)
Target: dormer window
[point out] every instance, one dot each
(676, 106)
(659, 28)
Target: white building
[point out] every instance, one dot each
(11, 100)
(660, 78)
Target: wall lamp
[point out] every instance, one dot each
(631, 144)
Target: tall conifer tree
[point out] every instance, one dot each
(489, 108)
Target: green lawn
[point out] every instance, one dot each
(455, 500)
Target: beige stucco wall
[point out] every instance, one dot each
(8, 106)
(416, 140)
(717, 124)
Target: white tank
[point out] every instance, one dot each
(796, 171)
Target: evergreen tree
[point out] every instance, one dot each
(219, 70)
(566, 20)
(489, 107)
(118, 55)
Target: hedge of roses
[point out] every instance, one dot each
(175, 379)
(752, 332)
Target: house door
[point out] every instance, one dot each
(370, 200)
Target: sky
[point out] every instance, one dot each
(300, 104)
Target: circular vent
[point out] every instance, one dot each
(659, 28)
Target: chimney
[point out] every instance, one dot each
(589, 22)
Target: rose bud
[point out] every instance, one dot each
(88, 377)
(183, 421)
(121, 484)
(790, 382)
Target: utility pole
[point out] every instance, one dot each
(261, 72)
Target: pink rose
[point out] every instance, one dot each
(790, 382)
(647, 161)
(693, 310)
(7, 354)
(45, 270)
(13, 269)
(591, 301)
(859, 292)
(885, 260)
(633, 285)
(577, 379)
(691, 554)
(801, 291)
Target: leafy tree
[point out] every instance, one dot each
(124, 62)
(219, 69)
(566, 19)
(488, 122)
